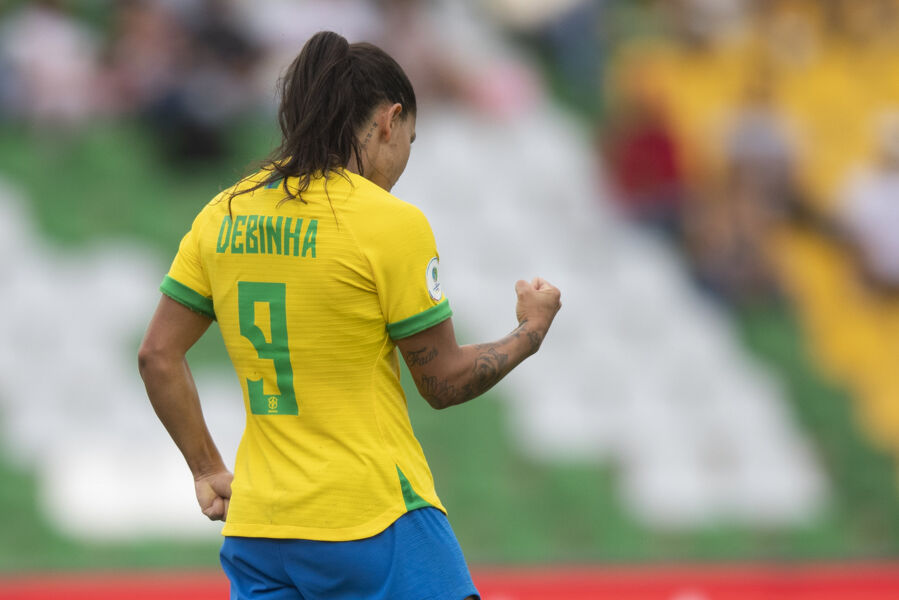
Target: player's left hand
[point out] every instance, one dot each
(214, 494)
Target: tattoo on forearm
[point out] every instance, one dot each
(490, 365)
(488, 368)
(420, 357)
(533, 336)
(535, 339)
(443, 391)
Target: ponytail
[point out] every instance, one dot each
(327, 94)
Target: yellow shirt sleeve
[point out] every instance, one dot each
(187, 281)
(405, 263)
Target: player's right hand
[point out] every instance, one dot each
(538, 303)
(214, 494)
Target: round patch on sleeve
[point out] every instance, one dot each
(432, 281)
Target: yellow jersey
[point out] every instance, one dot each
(310, 297)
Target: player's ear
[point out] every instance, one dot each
(391, 116)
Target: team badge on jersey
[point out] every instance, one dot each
(431, 280)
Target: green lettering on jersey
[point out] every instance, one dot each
(224, 235)
(260, 234)
(292, 236)
(273, 235)
(252, 240)
(262, 248)
(236, 233)
(309, 240)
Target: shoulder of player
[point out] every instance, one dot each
(220, 203)
(381, 205)
(214, 209)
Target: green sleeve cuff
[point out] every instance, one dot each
(423, 320)
(182, 294)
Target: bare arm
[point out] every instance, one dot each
(447, 374)
(173, 394)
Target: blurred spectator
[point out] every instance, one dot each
(148, 47)
(707, 23)
(731, 233)
(870, 211)
(567, 33)
(187, 73)
(445, 60)
(760, 151)
(422, 50)
(213, 88)
(49, 66)
(869, 23)
(790, 33)
(644, 165)
(729, 241)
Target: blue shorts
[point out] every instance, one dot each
(416, 558)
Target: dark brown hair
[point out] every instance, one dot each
(327, 94)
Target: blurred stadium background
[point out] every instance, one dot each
(713, 184)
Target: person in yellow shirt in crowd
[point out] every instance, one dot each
(315, 274)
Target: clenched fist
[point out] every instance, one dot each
(538, 303)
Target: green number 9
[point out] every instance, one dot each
(249, 293)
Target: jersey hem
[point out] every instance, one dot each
(418, 323)
(188, 297)
(296, 532)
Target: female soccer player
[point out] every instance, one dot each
(315, 274)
